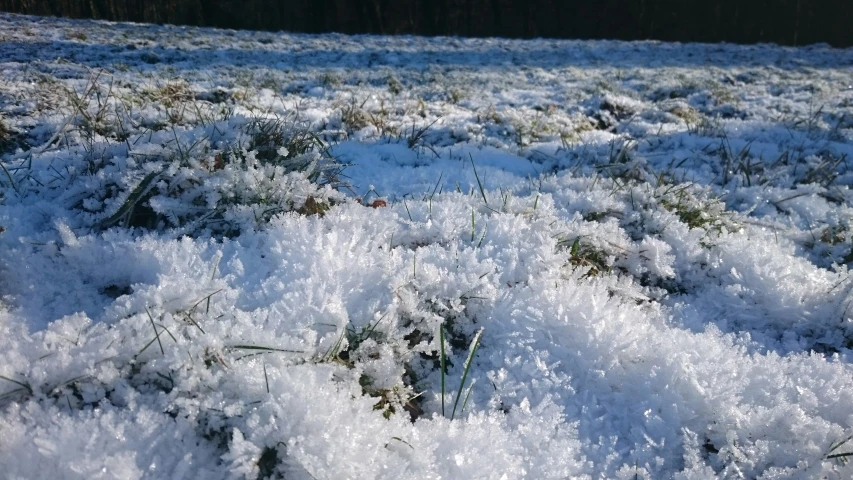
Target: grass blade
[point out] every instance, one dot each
(146, 346)
(372, 327)
(335, 349)
(17, 391)
(131, 201)
(443, 362)
(192, 321)
(408, 212)
(166, 329)
(841, 457)
(467, 395)
(259, 348)
(479, 183)
(203, 299)
(576, 245)
(436, 185)
(266, 378)
(11, 180)
(471, 352)
(472, 224)
(217, 259)
(483, 237)
(156, 333)
(24, 385)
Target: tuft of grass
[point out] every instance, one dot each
(455, 95)
(694, 214)
(175, 96)
(331, 80)
(267, 148)
(826, 169)
(838, 240)
(693, 217)
(76, 35)
(584, 254)
(354, 337)
(703, 126)
(94, 107)
(416, 137)
(736, 160)
(390, 400)
(394, 85)
(283, 141)
(354, 115)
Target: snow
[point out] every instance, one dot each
(654, 240)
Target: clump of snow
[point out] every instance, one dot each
(230, 258)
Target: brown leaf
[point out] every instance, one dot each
(313, 207)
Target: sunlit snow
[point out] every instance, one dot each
(230, 255)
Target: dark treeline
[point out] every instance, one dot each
(791, 22)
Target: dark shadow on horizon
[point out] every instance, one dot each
(473, 53)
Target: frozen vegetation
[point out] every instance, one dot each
(262, 255)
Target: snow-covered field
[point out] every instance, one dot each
(249, 255)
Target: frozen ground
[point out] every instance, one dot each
(654, 240)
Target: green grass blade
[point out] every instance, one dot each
(212, 278)
(259, 348)
(131, 201)
(483, 237)
(467, 395)
(436, 185)
(266, 378)
(479, 183)
(407, 211)
(372, 327)
(839, 455)
(472, 224)
(470, 359)
(335, 349)
(443, 364)
(832, 448)
(576, 245)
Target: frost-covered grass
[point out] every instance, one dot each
(257, 255)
